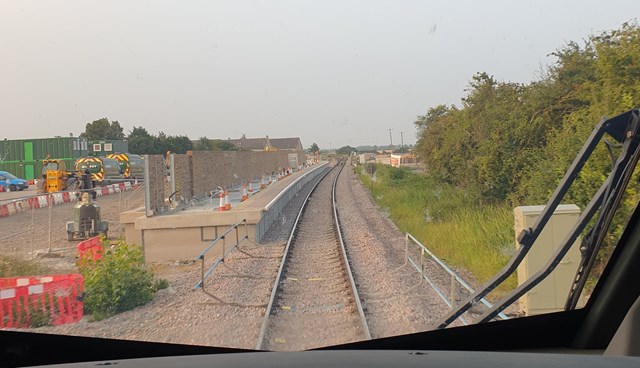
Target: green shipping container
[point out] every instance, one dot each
(103, 148)
(24, 156)
(30, 170)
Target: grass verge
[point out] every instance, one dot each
(449, 221)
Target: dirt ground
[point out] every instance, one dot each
(40, 235)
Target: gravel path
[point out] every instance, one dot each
(395, 300)
(314, 306)
(283, 224)
(182, 315)
(26, 234)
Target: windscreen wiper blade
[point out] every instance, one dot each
(622, 128)
(593, 241)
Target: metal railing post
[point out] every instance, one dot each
(202, 272)
(50, 200)
(33, 228)
(246, 229)
(406, 246)
(454, 291)
(224, 246)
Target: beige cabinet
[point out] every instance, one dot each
(551, 294)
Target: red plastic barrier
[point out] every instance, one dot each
(54, 303)
(90, 249)
(9, 282)
(33, 202)
(4, 211)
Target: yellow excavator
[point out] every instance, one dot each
(57, 178)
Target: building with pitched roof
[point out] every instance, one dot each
(267, 144)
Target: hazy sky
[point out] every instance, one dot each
(331, 72)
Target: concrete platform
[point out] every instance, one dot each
(182, 233)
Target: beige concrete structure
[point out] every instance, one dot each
(551, 294)
(407, 159)
(183, 233)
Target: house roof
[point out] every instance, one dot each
(250, 143)
(285, 143)
(262, 143)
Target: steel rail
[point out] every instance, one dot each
(276, 285)
(265, 323)
(352, 282)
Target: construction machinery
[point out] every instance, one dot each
(131, 165)
(103, 170)
(86, 221)
(57, 178)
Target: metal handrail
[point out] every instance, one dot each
(453, 274)
(225, 251)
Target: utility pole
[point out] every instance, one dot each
(390, 138)
(401, 141)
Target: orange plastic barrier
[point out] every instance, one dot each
(40, 300)
(90, 249)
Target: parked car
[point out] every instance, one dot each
(11, 182)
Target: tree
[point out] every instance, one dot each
(223, 145)
(179, 144)
(141, 142)
(314, 148)
(206, 144)
(102, 129)
(346, 150)
(203, 144)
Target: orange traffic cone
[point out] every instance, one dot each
(263, 183)
(221, 206)
(250, 189)
(245, 195)
(227, 203)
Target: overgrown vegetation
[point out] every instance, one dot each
(12, 267)
(447, 220)
(119, 281)
(508, 144)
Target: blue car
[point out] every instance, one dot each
(11, 182)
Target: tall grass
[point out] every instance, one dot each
(449, 221)
(13, 267)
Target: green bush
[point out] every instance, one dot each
(118, 282)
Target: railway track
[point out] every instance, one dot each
(314, 301)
